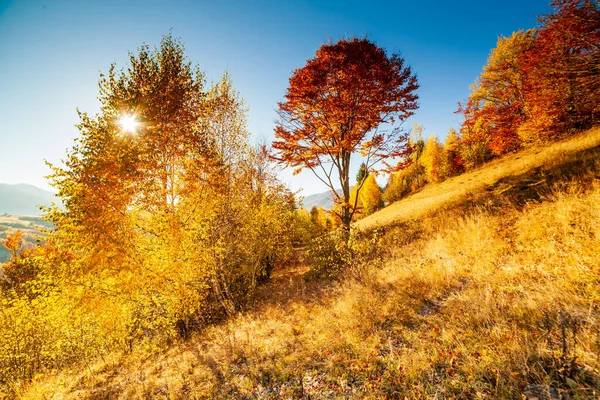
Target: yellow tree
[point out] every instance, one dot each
(433, 153)
(165, 198)
(371, 195)
(127, 184)
(319, 219)
(369, 199)
(136, 159)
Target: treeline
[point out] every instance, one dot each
(429, 161)
(538, 85)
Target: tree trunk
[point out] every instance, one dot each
(346, 220)
(345, 181)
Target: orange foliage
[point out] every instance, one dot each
(496, 108)
(334, 105)
(14, 243)
(564, 69)
(538, 84)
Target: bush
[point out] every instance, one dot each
(43, 333)
(328, 256)
(332, 254)
(475, 153)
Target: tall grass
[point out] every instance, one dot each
(474, 183)
(480, 302)
(484, 286)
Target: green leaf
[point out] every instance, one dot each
(572, 384)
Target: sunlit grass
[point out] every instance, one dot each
(474, 309)
(469, 185)
(474, 302)
(478, 300)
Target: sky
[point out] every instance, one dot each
(52, 54)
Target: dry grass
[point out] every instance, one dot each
(475, 302)
(480, 307)
(456, 190)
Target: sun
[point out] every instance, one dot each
(128, 123)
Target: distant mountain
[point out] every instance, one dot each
(23, 199)
(324, 200)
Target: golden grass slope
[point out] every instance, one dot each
(487, 302)
(434, 197)
(480, 308)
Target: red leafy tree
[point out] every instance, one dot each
(563, 69)
(351, 98)
(496, 107)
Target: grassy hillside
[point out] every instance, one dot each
(515, 172)
(485, 286)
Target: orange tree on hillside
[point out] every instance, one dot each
(538, 84)
(563, 69)
(179, 218)
(496, 106)
(351, 98)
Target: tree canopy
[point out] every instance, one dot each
(538, 84)
(350, 98)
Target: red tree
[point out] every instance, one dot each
(336, 105)
(563, 69)
(496, 106)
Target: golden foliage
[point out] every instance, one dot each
(165, 229)
(369, 197)
(479, 302)
(433, 154)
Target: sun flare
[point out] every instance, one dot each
(128, 123)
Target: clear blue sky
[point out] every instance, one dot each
(52, 52)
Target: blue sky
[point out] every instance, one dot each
(52, 52)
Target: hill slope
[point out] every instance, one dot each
(22, 199)
(497, 296)
(479, 182)
(324, 200)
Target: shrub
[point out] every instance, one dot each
(334, 253)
